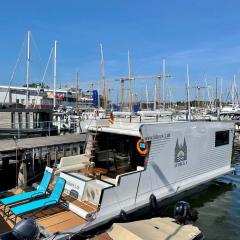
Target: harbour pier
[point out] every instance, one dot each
(35, 154)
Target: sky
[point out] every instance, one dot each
(204, 34)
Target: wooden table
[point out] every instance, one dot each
(94, 171)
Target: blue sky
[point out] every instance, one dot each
(204, 34)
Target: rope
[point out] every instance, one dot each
(14, 69)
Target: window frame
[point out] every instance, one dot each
(222, 138)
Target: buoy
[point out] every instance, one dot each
(142, 147)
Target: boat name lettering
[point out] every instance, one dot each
(73, 185)
(159, 136)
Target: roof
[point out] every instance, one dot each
(123, 128)
(151, 229)
(155, 228)
(29, 143)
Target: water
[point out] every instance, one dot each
(218, 207)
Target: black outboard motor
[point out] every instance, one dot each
(183, 212)
(26, 229)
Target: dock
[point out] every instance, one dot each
(151, 229)
(37, 153)
(40, 142)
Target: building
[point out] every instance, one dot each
(44, 98)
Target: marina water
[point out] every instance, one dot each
(218, 207)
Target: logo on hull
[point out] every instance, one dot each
(181, 154)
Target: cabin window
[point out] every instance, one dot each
(117, 153)
(221, 138)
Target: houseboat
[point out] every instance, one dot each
(126, 167)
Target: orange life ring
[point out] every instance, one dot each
(142, 147)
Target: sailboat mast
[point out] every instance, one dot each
(164, 78)
(103, 77)
(122, 93)
(54, 73)
(98, 82)
(155, 97)
(28, 65)
(234, 90)
(147, 96)
(188, 95)
(159, 92)
(130, 83)
(77, 93)
(221, 93)
(216, 93)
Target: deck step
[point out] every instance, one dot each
(91, 148)
(89, 155)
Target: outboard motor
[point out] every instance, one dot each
(26, 229)
(183, 212)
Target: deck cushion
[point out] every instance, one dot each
(42, 203)
(29, 195)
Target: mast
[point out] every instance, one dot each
(234, 93)
(77, 93)
(155, 96)
(103, 77)
(54, 73)
(28, 65)
(130, 84)
(159, 92)
(98, 95)
(122, 93)
(208, 93)
(164, 78)
(147, 95)
(188, 95)
(221, 93)
(216, 101)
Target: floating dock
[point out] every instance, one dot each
(151, 229)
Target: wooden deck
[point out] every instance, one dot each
(85, 205)
(6, 224)
(58, 220)
(53, 219)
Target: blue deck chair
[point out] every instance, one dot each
(41, 191)
(33, 206)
